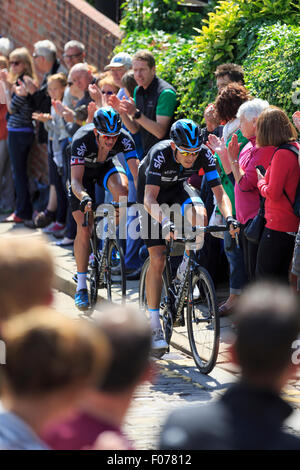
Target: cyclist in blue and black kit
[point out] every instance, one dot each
(162, 179)
(96, 149)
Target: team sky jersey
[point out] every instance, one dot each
(84, 150)
(159, 168)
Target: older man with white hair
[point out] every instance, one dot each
(74, 53)
(81, 76)
(46, 62)
(247, 199)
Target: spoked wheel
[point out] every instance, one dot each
(165, 317)
(115, 284)
(203, 321)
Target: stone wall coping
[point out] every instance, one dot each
(97, 17)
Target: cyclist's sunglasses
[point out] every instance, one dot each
(187, 153)
(108, 136)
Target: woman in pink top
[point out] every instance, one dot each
(246, 193)
(279, 187)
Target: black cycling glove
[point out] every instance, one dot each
(232, 221)
(84, 201)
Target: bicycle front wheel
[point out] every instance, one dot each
(115, 284)
(203, 321)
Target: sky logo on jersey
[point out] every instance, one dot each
(210, 158)
(81, 150)
(127, 144)
(159, 160)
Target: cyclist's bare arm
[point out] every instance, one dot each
(151, 204)
(77, 186)
(77, 173)
(133, 164)
(223, 201)
(224, 205)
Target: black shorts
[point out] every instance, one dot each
(181, 195)
(93, 175)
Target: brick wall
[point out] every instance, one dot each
(28, 21)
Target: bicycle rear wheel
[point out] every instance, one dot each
(115, 284)
(203, 321)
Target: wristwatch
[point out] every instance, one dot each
(137, 114)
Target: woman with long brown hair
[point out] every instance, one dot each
(20, 127)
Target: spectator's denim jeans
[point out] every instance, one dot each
(235, 258)
(19, 144)
(7, 190)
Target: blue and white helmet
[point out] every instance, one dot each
(107, 121)
(186, 133)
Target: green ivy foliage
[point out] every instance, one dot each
(272, 65)
(260, 35)
(166, 15)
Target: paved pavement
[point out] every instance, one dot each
(178, 381)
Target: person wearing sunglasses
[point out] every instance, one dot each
(74, 53)
(107, 88)
(162, 184)
(95, 157)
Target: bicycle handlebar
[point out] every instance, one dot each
(205, 229)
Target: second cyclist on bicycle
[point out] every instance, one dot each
(162, 180)
(95, 158)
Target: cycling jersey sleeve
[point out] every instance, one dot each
(128, 148)
(209, 166)
(154, 170)
(78, 152)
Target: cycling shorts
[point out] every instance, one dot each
(93, 175)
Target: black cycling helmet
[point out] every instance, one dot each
(186, 133)
(107, 121)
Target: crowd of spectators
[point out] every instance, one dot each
(81, 368)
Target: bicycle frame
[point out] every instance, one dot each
(101, 268)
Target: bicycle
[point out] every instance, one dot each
(202, 317)
(102, 261)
